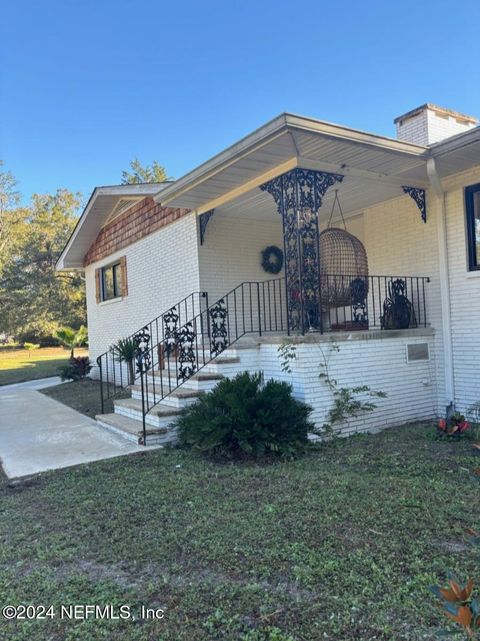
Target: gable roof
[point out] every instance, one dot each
(102, 206)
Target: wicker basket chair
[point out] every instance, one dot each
(343, 262)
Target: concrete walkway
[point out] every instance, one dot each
(38, 433)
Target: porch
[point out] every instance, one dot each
(287, 190)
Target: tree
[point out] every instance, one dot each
(72, 338)
(35, 300)
(9, 212)
(153, 173)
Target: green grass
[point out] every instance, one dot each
(340, 545)
(17, 366)
(83, 396)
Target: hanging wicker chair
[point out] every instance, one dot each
(343, 266)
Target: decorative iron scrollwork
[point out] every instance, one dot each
(170, 330)
(358, 295)
(186, 357)
(418, 195)
(398, 312)
(218, 334)
(143, 359)
(203, 222)
(298, 195)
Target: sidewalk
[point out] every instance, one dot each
(37, 433)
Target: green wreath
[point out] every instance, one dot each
(272, 259)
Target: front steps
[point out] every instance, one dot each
(126, 419)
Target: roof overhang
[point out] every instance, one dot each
(375, 167)
(103, 204)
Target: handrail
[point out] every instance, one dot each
(251, 307)
(116, 376)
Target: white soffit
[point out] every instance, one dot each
(381, 165)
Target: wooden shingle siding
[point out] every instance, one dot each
(140, 220)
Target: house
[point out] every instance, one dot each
(178, 266)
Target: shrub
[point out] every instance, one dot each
(124, 351)
(244, 417)
(78, 369)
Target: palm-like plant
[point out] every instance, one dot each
(124, 351)
(72, 338)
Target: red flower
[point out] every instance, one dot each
(442, 424)
(463, 426)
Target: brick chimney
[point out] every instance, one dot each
(428, 124)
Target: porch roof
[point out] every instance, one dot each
(375, 167)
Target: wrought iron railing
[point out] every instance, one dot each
(249, 308)
(372, 302)
(116, 376)
(175, 346)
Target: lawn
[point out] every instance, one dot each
(17, 366)
(341, 544)
(83, 396)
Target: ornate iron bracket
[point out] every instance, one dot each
(298, 195)
(418, 195)
(203, 222)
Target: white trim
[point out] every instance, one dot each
(142, 190)
(109, 301)
(444, 281)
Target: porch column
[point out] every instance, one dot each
(298, 195)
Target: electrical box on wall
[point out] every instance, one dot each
(417, 352)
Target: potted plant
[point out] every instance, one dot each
(455, 425)
(124, 352)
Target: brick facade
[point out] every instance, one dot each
(140, 220)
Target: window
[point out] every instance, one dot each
(111, 281)
(472, 205)
(111, 286)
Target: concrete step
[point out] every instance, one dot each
(159, 416)
(132, 430)
(164, 380)
(180, 398)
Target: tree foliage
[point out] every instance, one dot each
(153, 173)
(72, 338)
(35, 300)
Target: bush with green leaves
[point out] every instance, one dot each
(245, 417)
(78, 369)
(124, 351)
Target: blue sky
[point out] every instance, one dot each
(88, 85)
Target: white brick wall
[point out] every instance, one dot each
(162, 269)
(465, 296)
(398, 243)
(379, 362)
(230, 254)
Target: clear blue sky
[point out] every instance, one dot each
(88, 85)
